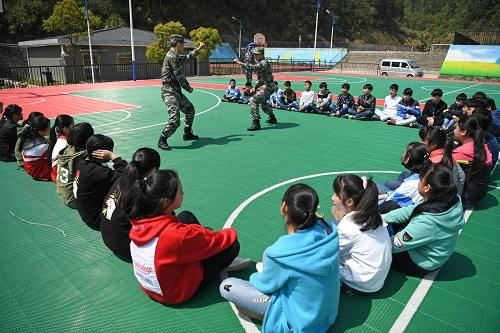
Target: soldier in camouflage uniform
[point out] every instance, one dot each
(266, 86)
(173, 79)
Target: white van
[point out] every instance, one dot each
(400, 67)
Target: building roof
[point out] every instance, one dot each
(104, 37)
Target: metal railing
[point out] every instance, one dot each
(39, 76)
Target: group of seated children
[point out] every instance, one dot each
(297, 285)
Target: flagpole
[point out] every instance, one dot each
(316, 33)
(90, 42)
(132, 39)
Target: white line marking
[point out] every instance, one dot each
(246, 323)
(418, 296)
(239, 209)
(495, 187)
(33, 223)
(37, 102)
(113, 122)
(450, 92)
(163, 123)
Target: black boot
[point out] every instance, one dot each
(272, 120)
(255, 126)
(162, 143)
(188, 134)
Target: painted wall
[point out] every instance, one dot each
(472, 60)
(328, 55)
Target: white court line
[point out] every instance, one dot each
(37, 102)
(245, 322)
(495, 187)
(163, 123)
(113, 122)
(418, 296)
(451, 92)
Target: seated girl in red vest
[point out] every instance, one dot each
(173, 256)
(35, 148)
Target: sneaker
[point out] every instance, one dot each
(391, 122)
(375, 117)
(238, 264)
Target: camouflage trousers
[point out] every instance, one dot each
(260, 99)
(176, 103)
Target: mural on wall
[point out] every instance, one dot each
(329, 55)
(472, 60)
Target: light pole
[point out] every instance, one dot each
(333, 27)
(318, 5)
(239, 42)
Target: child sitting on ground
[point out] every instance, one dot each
(365, 245)
(455, 110)
(18, 150)
(391, 103)
(288, 100)
(115, 224)
(58, 140)
(474, 156)
(324, 99)
(275, 97)
(365, 108)
(426, 234)
(8, 132)
(307, 98)
(232, 93)
(414, 159)
(408, 110)
(35, 148)
(345, 102)
(297, 288)
(68, 159)
(94, 178)
(247, 93)
(173, 256)
(432, 115)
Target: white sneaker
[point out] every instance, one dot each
(239, 264)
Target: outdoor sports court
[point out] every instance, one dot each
(57, 275)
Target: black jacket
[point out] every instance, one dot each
(8, 138)
(115, 225)
(92, 183)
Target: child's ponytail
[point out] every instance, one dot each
(143, 161)
(146, 197)
(364, 194)
(302, 203)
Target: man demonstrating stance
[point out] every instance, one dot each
(173, 79)
(265, 85)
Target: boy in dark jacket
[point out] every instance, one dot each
(433, 110)
(8, 132)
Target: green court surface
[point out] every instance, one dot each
(57, 275)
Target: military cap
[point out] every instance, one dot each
(174, 39)
(258, 50)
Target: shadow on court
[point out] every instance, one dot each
(202, 142)
(355, 309)
(456, 268)
(487, 202)
(279, 125)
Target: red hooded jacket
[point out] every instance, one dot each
(167, 255)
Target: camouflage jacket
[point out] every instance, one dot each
(264, 73)
(172, 71)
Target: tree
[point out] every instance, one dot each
(156, 51)
(209, 36)
(114, 21)
(69, 18)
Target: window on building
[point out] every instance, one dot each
(123, 61)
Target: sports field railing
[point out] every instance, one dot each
(35, 76)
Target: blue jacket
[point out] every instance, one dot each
(301, 271)
(403, 111)
(232, 92)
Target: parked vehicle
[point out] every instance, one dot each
(400, 67)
